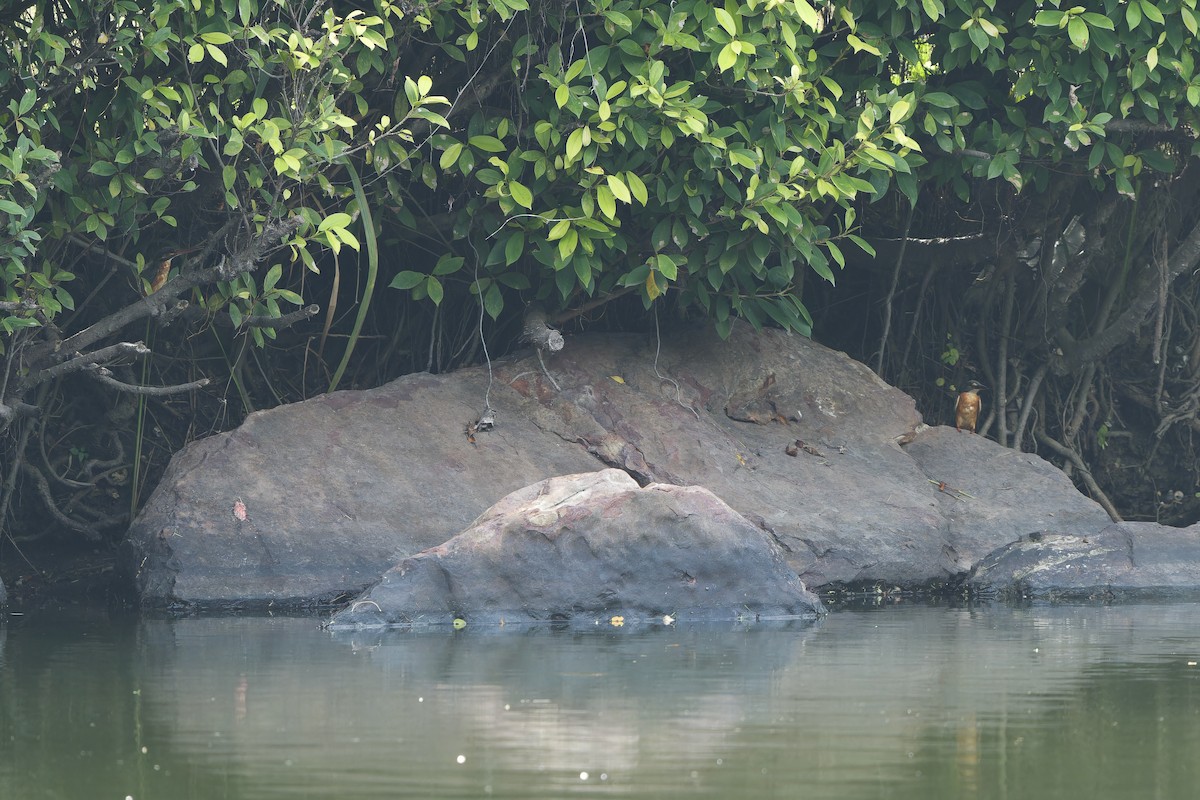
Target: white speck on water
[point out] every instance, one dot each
(603, 776)
(145, 750)
(1191, 663)
(461, 759)
(720, 761)
(420, 699)
(507, 707)
(583, 776)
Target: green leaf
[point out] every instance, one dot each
(217, 55)
(1049, 19)
(604, 199)
(513, 248)
(434, 287)
(273, 276)
(489, 144)
(941, 100)
(1077, 29)
(636, 187)
(667, 266)
(619, 189)
(448, 264)
(979, 37)
(406, 280)
(900, 110)
(216, 37)
(27, 101)
(338, 219)
(810, 17)
(1095, 20)
(574, 143)
(727, 57)
(725, 20)
(493, 301)
(567, 244)
(1133, 15)
(559, 230)
(521, 194)
(450, 156)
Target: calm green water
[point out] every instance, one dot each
(928, 703)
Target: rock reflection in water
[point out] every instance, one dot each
(914, 703)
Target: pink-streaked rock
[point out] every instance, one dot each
(589, 548)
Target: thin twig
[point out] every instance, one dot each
(285, 321)
(675, 383)
(891, 296)
(104, 376)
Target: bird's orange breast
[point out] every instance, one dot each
(966, 411)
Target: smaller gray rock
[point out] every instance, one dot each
(990, 495)
(588, 548)
(1128, 559)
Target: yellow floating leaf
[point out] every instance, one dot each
(617, 378)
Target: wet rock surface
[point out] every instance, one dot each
(1123, 560)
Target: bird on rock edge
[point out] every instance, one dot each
(966, 410)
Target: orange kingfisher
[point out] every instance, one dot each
(966, 410)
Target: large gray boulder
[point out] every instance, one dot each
(1128, 559)
(315, 500)
(592, 548)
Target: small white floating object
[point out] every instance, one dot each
(461, 759)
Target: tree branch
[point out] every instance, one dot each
(156, 304)
(285, 321)
(18, 409)
(1097, 493)
(104, 376)
(538, 333)
(43, 490)
(82, 361)
(1077, 353)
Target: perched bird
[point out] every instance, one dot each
(966, 410)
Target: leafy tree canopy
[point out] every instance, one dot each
(205, 162)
